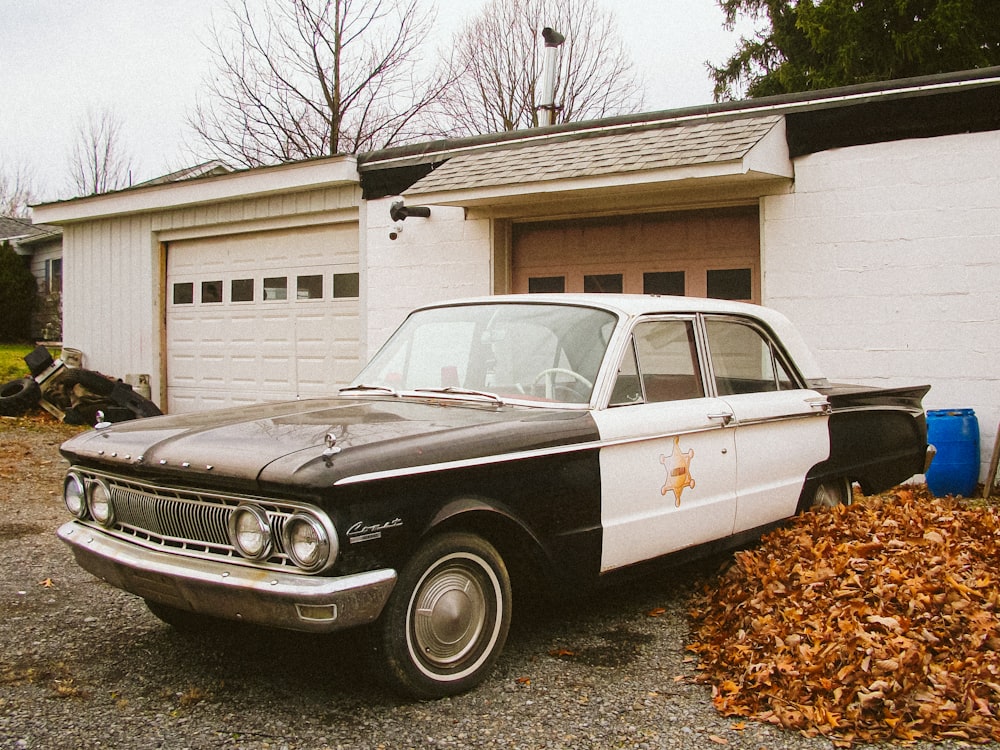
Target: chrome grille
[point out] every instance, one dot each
(189, 521)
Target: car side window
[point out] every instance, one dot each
(627, 389)
(744, 360)
(661, 364)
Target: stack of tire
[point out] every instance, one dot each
(19, 396)
(94, 397)
(83, 396)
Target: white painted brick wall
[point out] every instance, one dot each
(887, 257)
(439, 258)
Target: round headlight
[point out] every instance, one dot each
(309, 542)
(75, 495)
(250, 532)
(99, 503)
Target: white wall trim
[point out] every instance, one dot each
(342, 216)
(251, 183)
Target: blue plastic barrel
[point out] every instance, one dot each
(955, 468)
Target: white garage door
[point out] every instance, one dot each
(261, 317)
(706, 253)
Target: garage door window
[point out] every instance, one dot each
(211, 291)
(730, 283)
(547, 285)
(346, 285)
(275, 288)
(241, 290)
(309, 287)
(663, 282)
(184, 293)
(604, 283)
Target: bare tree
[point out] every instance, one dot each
(99, 161)
(17, 192)
(302, 78)
(499, 58)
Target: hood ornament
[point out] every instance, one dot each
(332, 449)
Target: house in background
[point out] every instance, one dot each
(211, 168)
(870, 215)
(41, 247)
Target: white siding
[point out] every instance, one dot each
(110, 295)
(887, 257)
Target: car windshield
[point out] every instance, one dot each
(530, 351)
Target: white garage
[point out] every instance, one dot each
(263, 316)
(219, 289)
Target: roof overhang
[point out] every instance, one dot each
(252, 183)
(745, 158)
(810, 119)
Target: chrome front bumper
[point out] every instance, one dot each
(315, 604)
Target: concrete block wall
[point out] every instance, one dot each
(443, 257)
(887, 258)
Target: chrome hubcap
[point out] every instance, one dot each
(449, 615)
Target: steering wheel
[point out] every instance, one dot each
(550, 384)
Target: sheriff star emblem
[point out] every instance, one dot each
(678, 466)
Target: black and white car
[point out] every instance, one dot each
(558, 437)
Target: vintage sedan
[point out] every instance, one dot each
(556, 438)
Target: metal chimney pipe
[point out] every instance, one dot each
(553, 40)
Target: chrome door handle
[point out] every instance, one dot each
(724, 417)
(820, 404)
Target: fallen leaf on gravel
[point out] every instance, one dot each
(879, 621)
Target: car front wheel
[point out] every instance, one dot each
(447, 619)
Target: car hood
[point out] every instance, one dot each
(285, 444)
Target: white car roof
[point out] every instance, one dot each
(634, 305)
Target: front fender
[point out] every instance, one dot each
(522, 550)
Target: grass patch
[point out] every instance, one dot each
(12, 364)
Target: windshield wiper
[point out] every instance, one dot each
(462, 392)
(363, 387)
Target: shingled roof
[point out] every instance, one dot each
(22, 229)
(679, 145)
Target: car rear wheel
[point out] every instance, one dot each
(830, 493)
(447, 619)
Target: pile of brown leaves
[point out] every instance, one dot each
(870, 622)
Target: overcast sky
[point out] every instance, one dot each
(146, 60)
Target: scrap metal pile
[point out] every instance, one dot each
(73, 394)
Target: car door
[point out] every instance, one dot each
(668, 459)
(781, 428)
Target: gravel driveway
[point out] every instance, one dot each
(83, 665)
